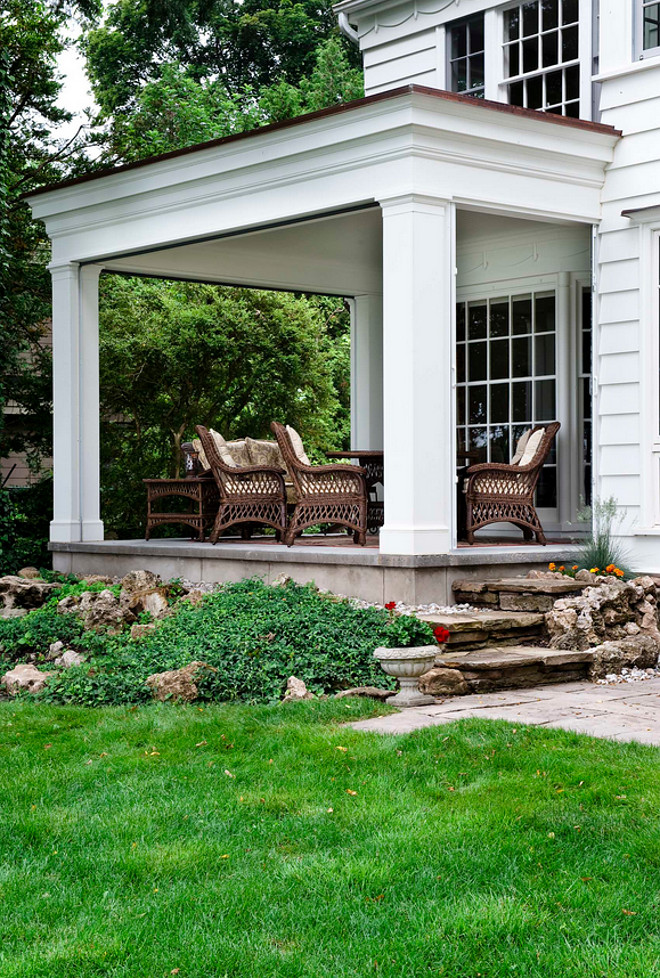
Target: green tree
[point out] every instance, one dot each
(177, 354)
(241, 43)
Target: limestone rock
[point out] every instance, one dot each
(140, 580)
(585, 575)
(443, 682)
(19, 592)
(55, 651)
(138, 630)
(611, 657)
(194, 598)
(13, 612)
(281, 580)
(177, 684)
(296, 690)
(29, 573)
(24, 677)
(69, 658)
(154, 600)
(98, 610)
(98, 579)
(373, 692)
(610, 610)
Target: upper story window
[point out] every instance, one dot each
(466, 56)
(649, 32)
(541, 55)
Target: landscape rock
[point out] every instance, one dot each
(138, 630)
(443, 682)
(13, 612)
(19, 592)
(610, 610)
(585, 575)
(373, 692)
(154, 600)
(98, 579)
(98, 610)
(611, 658)
(281, 580)
(24, 677)
(69, 659)
(140, 580)
(29, 573)
(177, 684)
(296, 690)
(55, 651)
(194, 597)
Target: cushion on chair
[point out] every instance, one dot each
(223, 449)
(297, 444)
(520, 446)
(531, 447)
(264, 452)
(201, 454)
(239, 451)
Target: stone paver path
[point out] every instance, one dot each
(628, 711)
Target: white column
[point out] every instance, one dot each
(418, 316)
(367, 372)
(90, 449)
(65, 526)
(75, 404)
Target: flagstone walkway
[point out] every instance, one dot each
(627, 711)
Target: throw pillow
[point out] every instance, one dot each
(222, 448)
(531, 447)
(520, 446)
(239, 452)
(201, 454)
(297, 444)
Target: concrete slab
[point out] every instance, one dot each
(626, 712)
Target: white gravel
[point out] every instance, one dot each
(633, 675)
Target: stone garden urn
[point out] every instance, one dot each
(407, 665)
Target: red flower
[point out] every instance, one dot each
(440, 634)
(390, 606)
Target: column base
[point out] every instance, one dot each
(65, 532)
(92, 530)
(414, 540)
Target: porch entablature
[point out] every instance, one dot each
(413, 140)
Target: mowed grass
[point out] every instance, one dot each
(272, 841)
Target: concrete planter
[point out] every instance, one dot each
(407, 665)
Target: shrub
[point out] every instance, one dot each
(24, 518)
(256, 636)
(601, 549)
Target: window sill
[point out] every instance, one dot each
(634, 68)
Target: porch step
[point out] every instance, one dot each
(512, 667)
(474, 629)
(516, 593)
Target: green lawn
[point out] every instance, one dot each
(270, 841)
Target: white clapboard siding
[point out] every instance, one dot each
(401, 62)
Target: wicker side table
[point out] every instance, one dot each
(202, 495)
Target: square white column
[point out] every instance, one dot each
(367, 372)
(75, 404)
(418, 316)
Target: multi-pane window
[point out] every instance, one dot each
(466, 56)
(506, 381)
(650, 25)
(541, 56)
(584, 384)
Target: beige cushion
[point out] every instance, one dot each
(298, 448)
(520, 446)
(239, 451)
(223, 449)
(201, 454)
(264, 452)
(531, 447)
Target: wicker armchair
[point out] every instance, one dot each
(497, 493)
(324, 493)
(248, 494)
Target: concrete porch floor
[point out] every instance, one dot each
(624, 712)
(332, 562)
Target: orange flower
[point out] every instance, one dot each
(610, 568)
(562, 568)
(618, 572)
(552, 566)
(574, 567)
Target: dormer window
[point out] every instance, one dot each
(541, 56)
(466, 56)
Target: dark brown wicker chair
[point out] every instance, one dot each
(497, 493)
(249, 494)
(324, 493)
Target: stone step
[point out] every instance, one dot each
(517, 593)
(473, 629)
(511, 667)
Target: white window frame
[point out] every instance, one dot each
(638, 33)
(650, 355)
(583, 61)
(448, 58)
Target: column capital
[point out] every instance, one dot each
(400, 203)
(65, 269)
